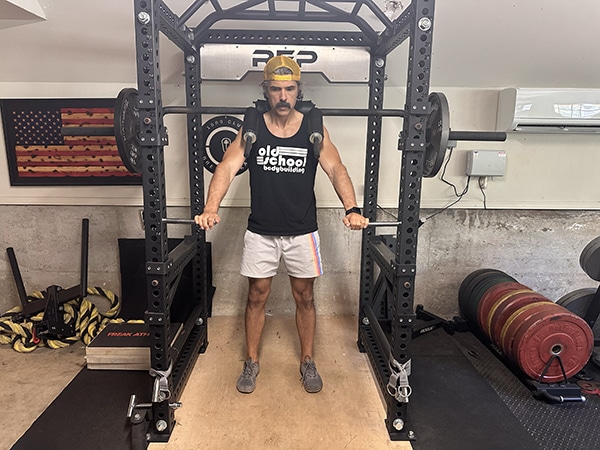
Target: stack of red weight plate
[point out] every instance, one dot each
(528, 328)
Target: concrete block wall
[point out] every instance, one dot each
(47, 245)
(539, 248)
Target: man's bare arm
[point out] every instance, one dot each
(331, 163)
(233, 159)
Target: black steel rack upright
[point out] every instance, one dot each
(391, 258)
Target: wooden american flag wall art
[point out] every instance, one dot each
(39, 154)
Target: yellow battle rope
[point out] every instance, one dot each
(88, 322)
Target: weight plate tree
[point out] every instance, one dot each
(143, 149)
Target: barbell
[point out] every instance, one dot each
(182, 221)
(127, 129)
(172, 220)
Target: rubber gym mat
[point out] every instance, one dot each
(554, 426)
(452, 406)
(90, 413)
(463, 398)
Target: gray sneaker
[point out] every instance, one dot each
(246, 383)
(311, 380)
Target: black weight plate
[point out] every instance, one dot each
(464, 294)
(472, 301)
(578, 302)
(572, 300)
(565, 299)
(589, 248)
(218, 133)
(466, 300)
(436, 134)
(466, 288)
(486, 282)
(584, 253)
(127, 129)
(590, 259)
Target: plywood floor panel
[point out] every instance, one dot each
(347, 414)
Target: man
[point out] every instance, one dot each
(282, 222)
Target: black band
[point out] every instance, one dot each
(354, 209)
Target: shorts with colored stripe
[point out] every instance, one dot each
(300, 254)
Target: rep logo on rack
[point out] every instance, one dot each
(261, 56)
(234, 62)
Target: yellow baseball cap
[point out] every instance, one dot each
(281, 61)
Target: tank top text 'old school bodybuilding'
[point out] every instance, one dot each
(282, 179)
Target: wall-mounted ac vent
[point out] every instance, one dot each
(549, 110)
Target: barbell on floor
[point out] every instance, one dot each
(126, 127)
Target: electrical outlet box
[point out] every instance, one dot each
(486, 163)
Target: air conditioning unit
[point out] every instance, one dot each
(549, 110)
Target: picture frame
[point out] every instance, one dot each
(63, 142)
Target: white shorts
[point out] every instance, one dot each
(301, 255)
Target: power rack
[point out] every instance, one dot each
(386, 315)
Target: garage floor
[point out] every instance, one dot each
(347, 414)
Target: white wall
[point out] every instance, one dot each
(543, 171)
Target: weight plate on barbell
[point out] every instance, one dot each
(437, 134)
(127, 129)
(218, 133)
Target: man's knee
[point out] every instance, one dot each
(303, 293)
(258, 292)
(305, 301)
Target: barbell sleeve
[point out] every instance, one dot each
(183, 221)
(477, 136)
(203, 110)
(384, 224)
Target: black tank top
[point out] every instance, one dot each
(282, 180)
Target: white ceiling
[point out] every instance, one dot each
(477, 43)
(20, 10)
